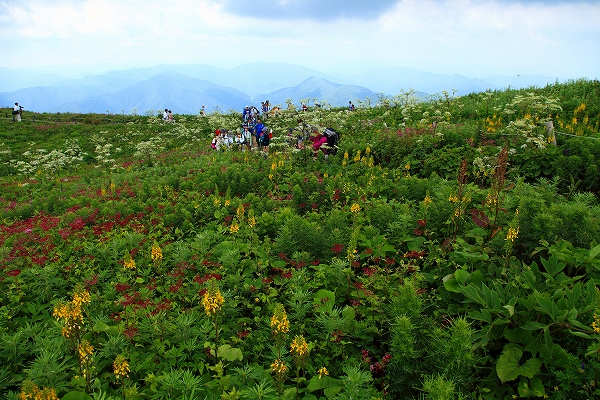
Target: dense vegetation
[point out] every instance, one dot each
(447, 251)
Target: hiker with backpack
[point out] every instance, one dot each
(327, 141)
(16, 113)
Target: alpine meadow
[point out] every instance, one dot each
(446, 248)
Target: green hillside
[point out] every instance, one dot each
(447, 250)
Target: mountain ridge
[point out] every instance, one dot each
(154, 88)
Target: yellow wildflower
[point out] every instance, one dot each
(128, 261)
(512, 234)
(596, 324)
(427, 200)
(30, 390)
(323, 372)
(212, 300)
(85, 350)
(240, 211)
(121, 367)
(299, 347)
(251, 222)
(156, 254)
(279, 367)
(234, 228)
(279, 320)
(355, 208)
(217, 201)
(453, 199)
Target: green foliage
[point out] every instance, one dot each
(447, 251)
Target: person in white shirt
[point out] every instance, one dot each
(17, 110)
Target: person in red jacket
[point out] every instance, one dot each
(318, 140)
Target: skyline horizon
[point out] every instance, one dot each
(473, 38)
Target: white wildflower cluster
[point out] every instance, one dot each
(149, 147)
(50, 162)
(103, 151)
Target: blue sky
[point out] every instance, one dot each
(476, 38)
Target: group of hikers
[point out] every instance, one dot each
(253, 134)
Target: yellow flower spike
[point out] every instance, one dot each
(156, 253)
(121, 367)
(299, 347)
(251, 222)
(85, 350)
(355, 208)
(279, 320)
(323, 372)
(512, 234)
(240, 211)
(279, 367)
(212, 300)
(128, 261)
(234, 228)
(427, 200)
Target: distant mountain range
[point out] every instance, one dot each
(185, 88)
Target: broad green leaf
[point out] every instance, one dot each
(508, 368)
(483, 315)
(75, 395)
(452, 285)
(595, 251)
(100, 327)
(229, 353)
(532, 326)
(324, 300)
(461, 276)
(531, 387)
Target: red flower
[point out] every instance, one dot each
(14, 272)
(337, 248)
(242, 334)
(121, 287)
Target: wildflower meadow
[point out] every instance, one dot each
(449, 249)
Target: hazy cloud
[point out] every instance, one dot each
(319, 10)
(473, 37)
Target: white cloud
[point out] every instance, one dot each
(555, 38)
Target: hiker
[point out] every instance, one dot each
(202, 112)
(170, 117)
(304, 107)
(258, 128)
(350, 106)
(264, 139)
(318, 140)
(166, 115)
(17, 111)
(246, 138)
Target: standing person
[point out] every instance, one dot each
(170, 117)
(258, 129)
(247, 138)
(166, 115)
(350, 106)
(17, 111)
(203, 112)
